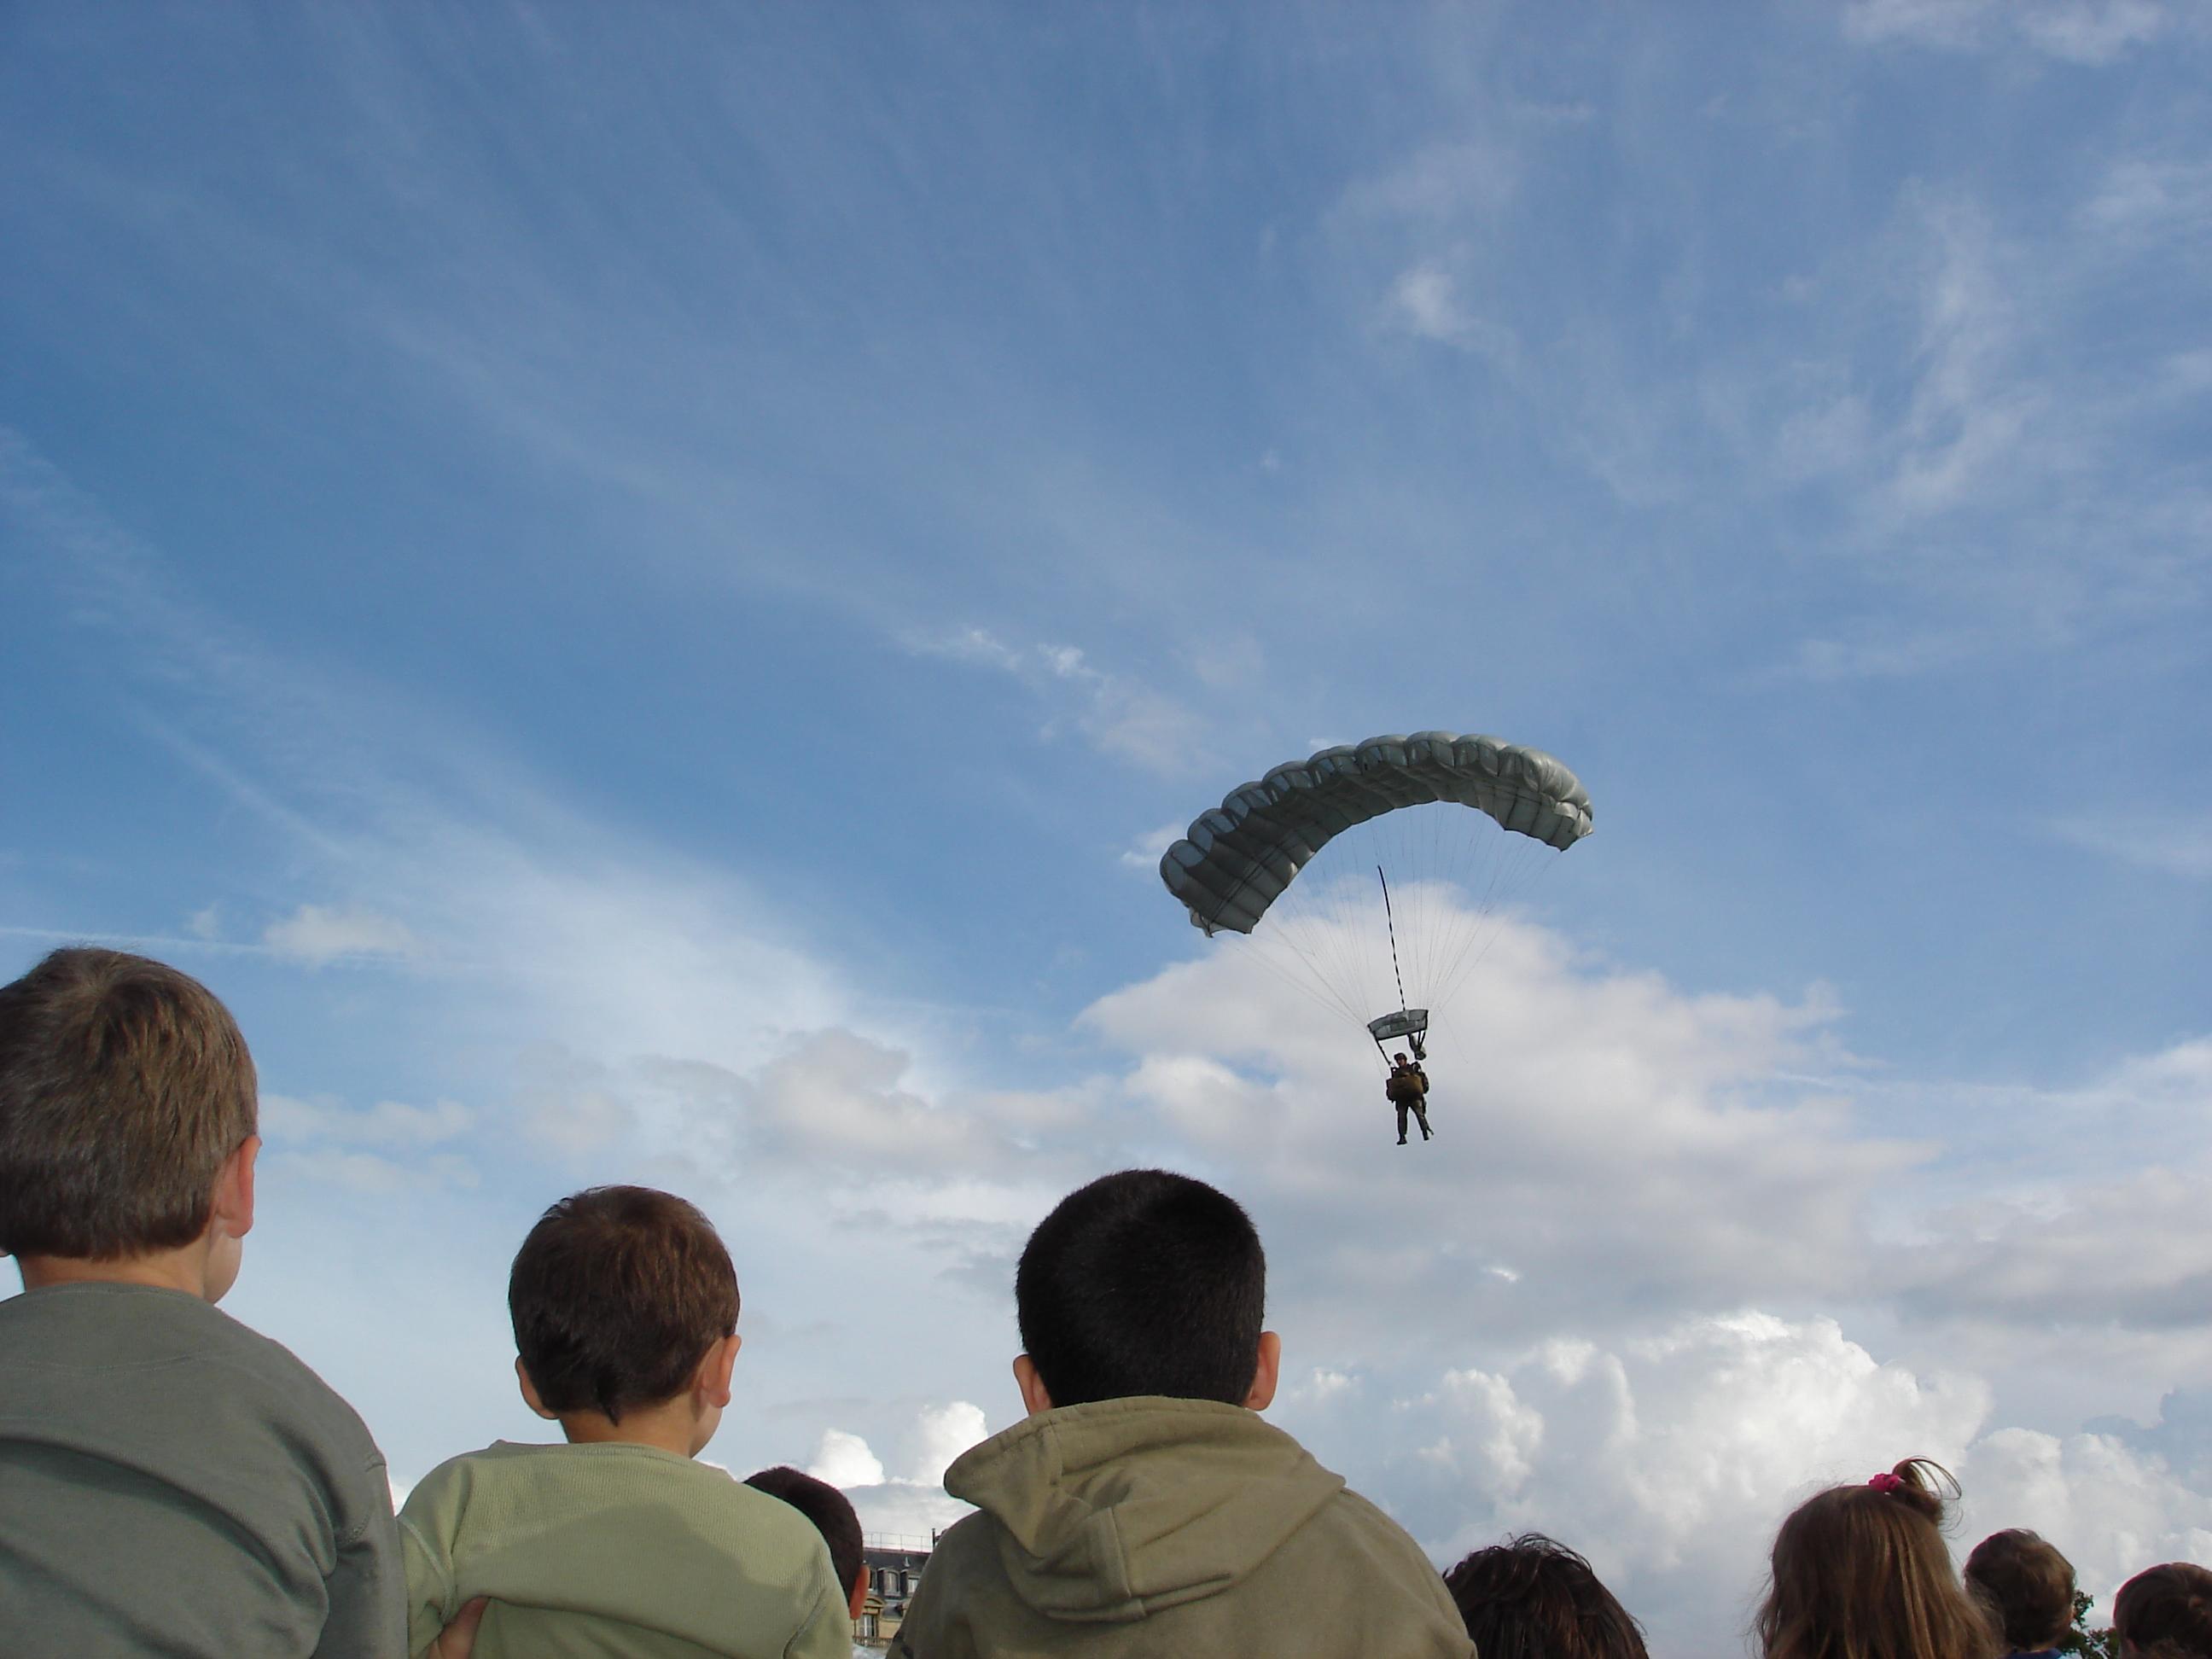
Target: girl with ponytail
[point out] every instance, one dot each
(1862, 1572)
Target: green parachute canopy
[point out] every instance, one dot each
(1237, 859)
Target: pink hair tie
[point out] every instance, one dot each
(1887, 1482)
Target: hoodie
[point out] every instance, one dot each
(1158, 1526)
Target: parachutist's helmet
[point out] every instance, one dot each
(1400, 1057)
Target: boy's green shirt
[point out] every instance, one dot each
(616, 1549)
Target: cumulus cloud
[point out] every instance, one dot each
(1596, 1114)
(316, 934)
(941, 1433)
(914, 1506)
(1668, 1459)
(844, 1460)
(2119, 1508)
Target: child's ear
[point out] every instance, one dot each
(233, 1190)
(713, 1376)
(1035, 1399)
(1266, 1373)
(530, 1392)
(857, 1602)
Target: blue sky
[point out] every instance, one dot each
(637, 594)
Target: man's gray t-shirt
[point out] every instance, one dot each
(171, 1482)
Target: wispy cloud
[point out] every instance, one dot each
(1144, 852)
(1424, 302)
(1114, 713)
(389, 1148)
(2089, 31)
(2172, 844)
(317, 934)
(1966, 411)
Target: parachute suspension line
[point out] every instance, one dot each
(1391, 921)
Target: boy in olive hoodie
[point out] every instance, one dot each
(1144, 1508)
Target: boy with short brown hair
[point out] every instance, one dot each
(169, 1479)
(618, 1543)
(2028, 1585)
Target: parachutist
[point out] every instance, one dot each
(1408, 1089)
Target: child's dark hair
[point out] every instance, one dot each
(1534, 1598)
(831, 1511)
(2027, 1584)
(1862, 1572)
(617, 1295)
(2166, 1613)
(1143, 1282)
(123, 1086)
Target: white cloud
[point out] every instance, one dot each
(914, 1505)
(908, 1514)
(318, 935)
(844, 1460)
(2120, 1509)
(1318, 1386)
(1666, 1459)
(1670, 1458)
(942, 1433)
(1146, 852)
(1425, 302)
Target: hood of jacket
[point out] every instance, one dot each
(1120, 1508)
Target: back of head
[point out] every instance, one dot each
(829, 1509)
(2166, 1613)
(123, 1086)
(617, 1295)
(1861, 1572)
(2027, 1584)
(1536, 1599)
(1143, 1283)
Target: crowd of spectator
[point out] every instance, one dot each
(172, 1482)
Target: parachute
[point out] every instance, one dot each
(1460, 822)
